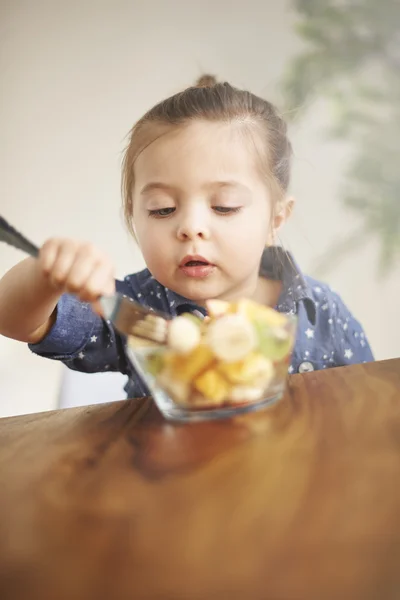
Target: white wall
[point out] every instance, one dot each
(75, 76)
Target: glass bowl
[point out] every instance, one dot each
(199, 385)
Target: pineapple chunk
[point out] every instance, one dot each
(254, 367)
(212, 385)
(263, 314)
(187, 367)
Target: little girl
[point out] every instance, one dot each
(205, 179)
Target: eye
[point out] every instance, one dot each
(161, 212)
(226, 210)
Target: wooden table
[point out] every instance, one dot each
(301, 501)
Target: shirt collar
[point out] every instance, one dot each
(176, 304)
(276, 264)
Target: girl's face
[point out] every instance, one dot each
(202, 211)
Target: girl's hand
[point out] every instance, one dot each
(77, 268)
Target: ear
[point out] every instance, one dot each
(282, 214)
(285, 209)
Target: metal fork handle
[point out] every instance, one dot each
(12, 237)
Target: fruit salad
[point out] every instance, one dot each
(234, 356)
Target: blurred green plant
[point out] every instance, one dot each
(352, 60)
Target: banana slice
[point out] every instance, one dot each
(183, 335)
(245, 394)
(217, 308)
(231, 337)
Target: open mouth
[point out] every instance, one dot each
(195, 263)
(196, 266)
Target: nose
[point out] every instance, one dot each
(193, 225)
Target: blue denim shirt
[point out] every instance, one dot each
(328, 335)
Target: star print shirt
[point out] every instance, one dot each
(328, 335)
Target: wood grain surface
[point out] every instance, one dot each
(298, 502)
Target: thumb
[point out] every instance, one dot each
(97, 308)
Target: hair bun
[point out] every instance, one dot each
(206, 81)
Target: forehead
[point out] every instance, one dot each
(200, 150)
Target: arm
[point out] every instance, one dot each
(28, 302)
(82, 340)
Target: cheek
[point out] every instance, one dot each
(152, 242)
(250, 230)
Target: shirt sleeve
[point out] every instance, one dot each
(351, 343)
(82, 340)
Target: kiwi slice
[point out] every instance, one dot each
(274, 343)
(196, 320)
(155, 363)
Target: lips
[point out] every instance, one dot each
(196, 266)
(193, 259)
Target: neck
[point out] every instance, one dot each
(260, 289)
(267, 291)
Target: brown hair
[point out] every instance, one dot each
(211, 101)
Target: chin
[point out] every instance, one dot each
(199, 291)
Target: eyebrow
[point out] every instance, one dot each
(231, 183)
(157, 185)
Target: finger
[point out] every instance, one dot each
(88, 258)
(97, 308)
(64, 260)
(80, 272)
(100, 283)
(48, 254)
